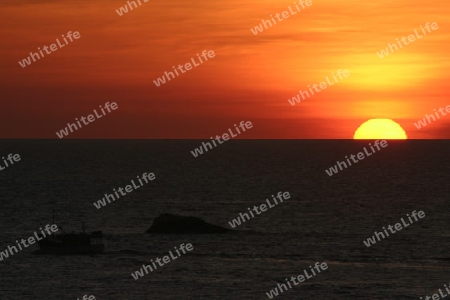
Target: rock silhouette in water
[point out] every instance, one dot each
(168, 223)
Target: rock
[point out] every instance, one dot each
(168, 223)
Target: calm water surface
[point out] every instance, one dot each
(326, 219)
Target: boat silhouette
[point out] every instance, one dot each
(71, 243)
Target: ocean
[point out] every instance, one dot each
(326, 219)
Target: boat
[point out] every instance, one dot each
(71, 243)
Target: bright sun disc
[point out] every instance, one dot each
(375, 129)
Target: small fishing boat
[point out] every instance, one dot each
(71, 243)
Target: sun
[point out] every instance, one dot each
(385, 129)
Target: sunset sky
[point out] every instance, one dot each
(250, 78)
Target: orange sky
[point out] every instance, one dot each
(250, 78)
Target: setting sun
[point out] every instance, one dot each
(380, 129)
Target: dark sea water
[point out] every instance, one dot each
(325, 220)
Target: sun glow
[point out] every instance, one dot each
(385, 129)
